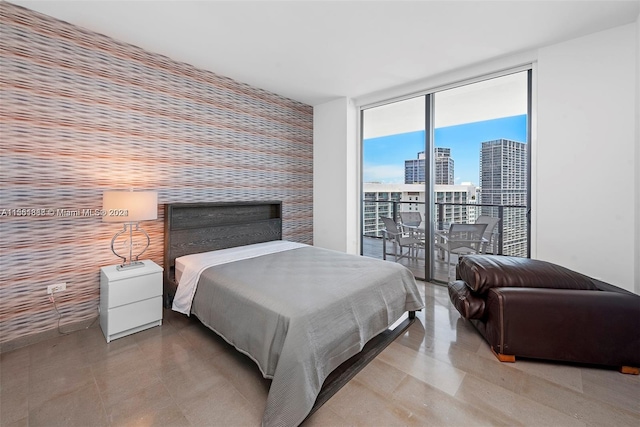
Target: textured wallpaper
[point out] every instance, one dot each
(82, 113)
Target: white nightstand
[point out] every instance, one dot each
(130, 300)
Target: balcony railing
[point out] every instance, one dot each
(511, 233)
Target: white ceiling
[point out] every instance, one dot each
(316, 51)
(499, 97)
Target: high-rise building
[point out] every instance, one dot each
(443, 166)
(503, 181)
(414, 170)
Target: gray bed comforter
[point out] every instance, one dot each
(299, 314)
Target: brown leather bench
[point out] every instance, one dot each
(536, 309)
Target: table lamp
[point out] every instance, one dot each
(129, 207)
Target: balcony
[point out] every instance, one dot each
(510, 236)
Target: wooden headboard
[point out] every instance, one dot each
(191, 228)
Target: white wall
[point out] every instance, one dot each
(336, 174)
(585, 193)
(637, 161)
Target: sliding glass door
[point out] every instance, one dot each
(481, 164)
(393, 178)
(459, 155)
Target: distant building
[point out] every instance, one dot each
(379, 200)
(503, 179)
(503, 182)
(414, 170)
(466, 194)
(443, 166)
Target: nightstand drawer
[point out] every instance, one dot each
(133, 315)
(123, 292)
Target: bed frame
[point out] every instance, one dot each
(191, 228)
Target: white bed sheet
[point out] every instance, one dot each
(190, 267)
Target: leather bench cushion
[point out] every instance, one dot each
(470, 306)
(483, 272)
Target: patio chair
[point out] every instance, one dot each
(462, 239)
(412, 219)
(410, 222)
(491, 222)
(400, 241)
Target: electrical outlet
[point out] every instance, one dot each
(58, 287)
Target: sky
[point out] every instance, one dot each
(384, 156)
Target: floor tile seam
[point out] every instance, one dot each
(490, 413)
(582, 395)
(406, 405)
(196, 348)
(430, 356)
(563, 408)
(71, 390)
(17, 422)
(14, 382)
(184, 405)
(389, 401)
(249, 402)
(175, 402)
(335, 414)
(487, 414)
(169, 359)
(3, 411)
(151, 340)
(95, 369)
(488, 409)
(402, 380)
(590, 395)
(102, 404)
(376, 391)
(437, 333)
(169, 371)
(527, 400)
(104, 394)
(175, 396)
(161, 341)
(30, 411)
(436, 356)
(434, 386)
(68, 367)
(581, 398)
(24, 361)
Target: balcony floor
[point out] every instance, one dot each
(372, 247)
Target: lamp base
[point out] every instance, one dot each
(130, 266)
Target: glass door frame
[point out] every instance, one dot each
(429, 211)
(429, 187)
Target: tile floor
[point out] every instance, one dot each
(439, 373)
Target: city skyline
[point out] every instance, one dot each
(384, 157)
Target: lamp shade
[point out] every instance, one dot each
(129, 206)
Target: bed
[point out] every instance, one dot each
(298, 311)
